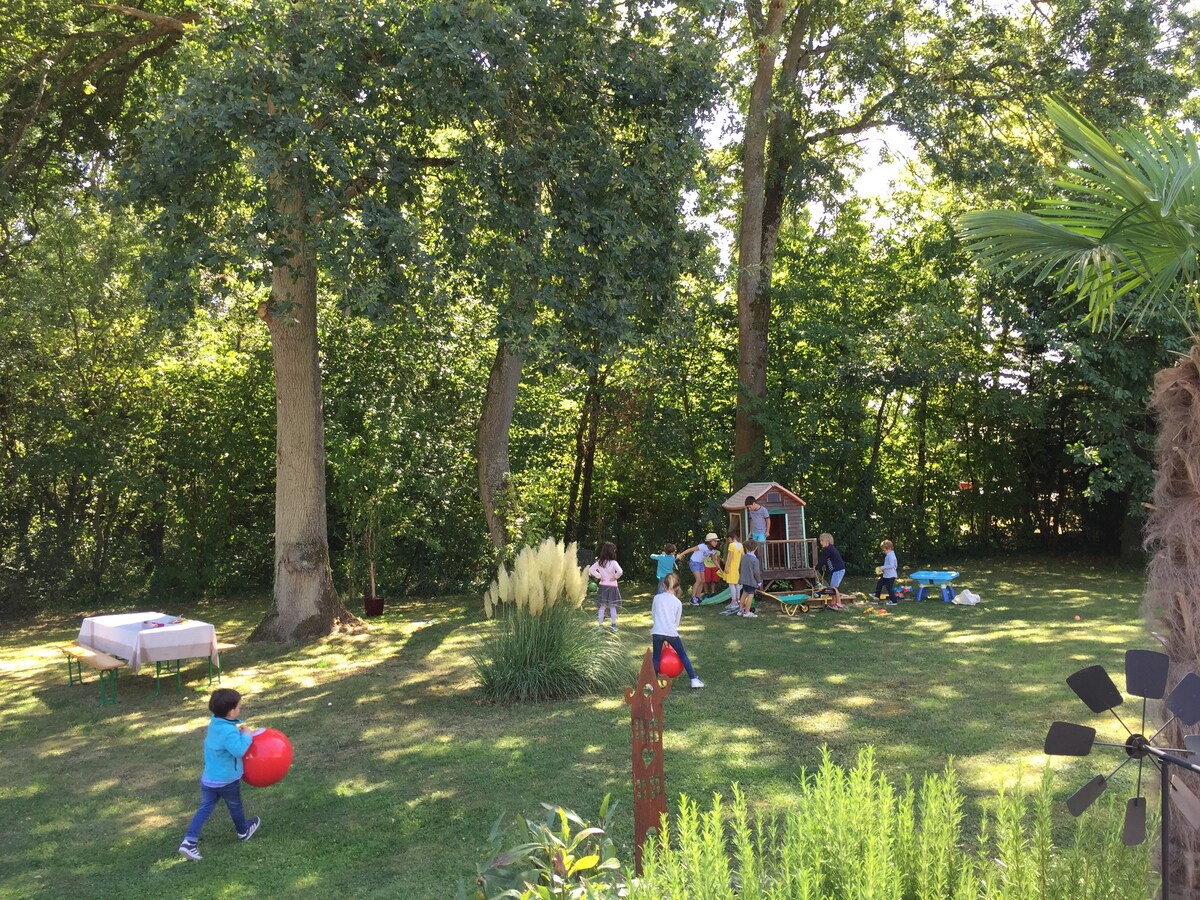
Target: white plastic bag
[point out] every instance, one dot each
(966, 598)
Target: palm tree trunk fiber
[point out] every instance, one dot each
(1172, 604)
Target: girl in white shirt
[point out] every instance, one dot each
(666, 612)
(607, 570)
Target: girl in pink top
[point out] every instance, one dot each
(607, 570)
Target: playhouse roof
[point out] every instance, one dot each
(737, 500)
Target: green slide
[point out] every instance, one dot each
(720, 597)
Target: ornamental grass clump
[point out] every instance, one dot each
(544, 647)
(542, 577)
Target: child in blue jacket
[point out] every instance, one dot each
(225, 743)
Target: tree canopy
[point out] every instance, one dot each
(490, 262)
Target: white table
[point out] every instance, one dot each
(145, 637)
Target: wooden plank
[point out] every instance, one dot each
(92, 657)
(782, 574)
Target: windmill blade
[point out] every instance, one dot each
(1069, 739)
(1186, 802)
(1192, 742)
(1093, 686)
(1146, 673)
(1135, 822)
(1184, 700)
(1086, 795)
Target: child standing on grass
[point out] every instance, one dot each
(832, 560)
(696, 556)
(225, 743)
(665, 612)
(750, 576)
(665, 562)
(733, 566)
(712, 572)
(887, 573)
(607, 570)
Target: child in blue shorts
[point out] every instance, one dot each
(696, 556)
(225, 743)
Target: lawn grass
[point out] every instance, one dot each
(400, 771)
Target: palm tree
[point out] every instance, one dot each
(1124, 236)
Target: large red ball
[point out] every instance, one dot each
(268, 759)
(669, 663)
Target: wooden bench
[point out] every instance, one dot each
(78, 655)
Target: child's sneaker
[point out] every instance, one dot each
(892, 603)
(750, 614)
(697, 683)
(612, 628)
(730, 611)
(251, 827)
(695, 601)
(190, 850)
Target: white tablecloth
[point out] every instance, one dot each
(142, 637)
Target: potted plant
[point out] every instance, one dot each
(368, 540)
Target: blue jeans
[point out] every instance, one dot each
(232, 795)
(677, 645)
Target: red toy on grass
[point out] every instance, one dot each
(669, 663)
(268, 759)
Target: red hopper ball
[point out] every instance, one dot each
(268, 759)
(669, 663)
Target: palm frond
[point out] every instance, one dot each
(1124, 230)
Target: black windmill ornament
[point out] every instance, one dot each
(1145, 677)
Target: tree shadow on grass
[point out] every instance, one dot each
(400, 772)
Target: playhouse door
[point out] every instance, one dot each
(778, 556)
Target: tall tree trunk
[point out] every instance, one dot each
(589, 456)
(1173, 592)
(305, 606)
(570, 527)
(922, 466)
(500, 398)
(749, 441)
(491, 439)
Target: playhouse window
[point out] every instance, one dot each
(774, 497)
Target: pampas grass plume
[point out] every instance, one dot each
(550, 562)
(541, 577)
(575, 579)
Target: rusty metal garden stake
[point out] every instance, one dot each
(649, 785)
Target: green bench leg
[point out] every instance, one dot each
(170, 667)
(74, 671)
(211, 669)
(111, 681)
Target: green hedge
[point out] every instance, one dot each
(851, 834)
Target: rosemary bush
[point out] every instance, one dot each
(850, 836)
(853, 835)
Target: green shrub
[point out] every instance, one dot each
(557, 655)
(544, 648)
(851, 834)
(563, 857)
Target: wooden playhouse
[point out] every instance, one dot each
(789, 557)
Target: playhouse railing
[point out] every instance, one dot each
(795, 554)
